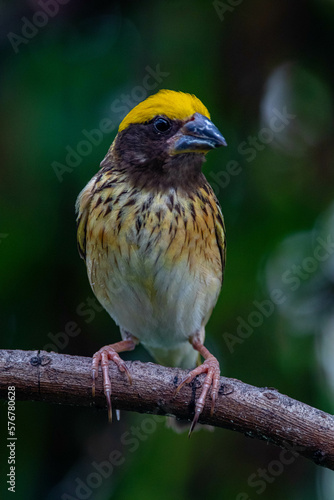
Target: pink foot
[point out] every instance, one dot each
(211, 368)
(106, 353)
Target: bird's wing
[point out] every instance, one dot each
(208, 197)
(220, 235)
(82, 210)
(84, 200)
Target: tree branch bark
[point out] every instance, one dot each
(261, 413)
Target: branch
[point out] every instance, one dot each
(260, 413)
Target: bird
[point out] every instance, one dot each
(151, 232)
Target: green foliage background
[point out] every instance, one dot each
(243, 60)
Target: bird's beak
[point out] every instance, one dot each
(197, 135)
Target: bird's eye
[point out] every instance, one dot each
(161, 125)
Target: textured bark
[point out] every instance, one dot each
(261, 413)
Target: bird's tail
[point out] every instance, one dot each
(183, 356)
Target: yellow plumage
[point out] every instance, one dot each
(175, 105)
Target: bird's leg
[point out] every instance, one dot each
(106, 353)
(211, 368)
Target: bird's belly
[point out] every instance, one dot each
(159, 283)
(161, 307)
(159, 304)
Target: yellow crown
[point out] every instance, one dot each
(172, 104)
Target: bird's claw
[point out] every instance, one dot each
(212, 370)
(102, 357)
(107, 394)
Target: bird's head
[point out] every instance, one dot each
(167, 135)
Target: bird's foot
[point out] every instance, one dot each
(103, 355)
(212, 370)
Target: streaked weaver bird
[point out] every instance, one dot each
(151, 232)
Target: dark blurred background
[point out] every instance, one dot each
(70, 72)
